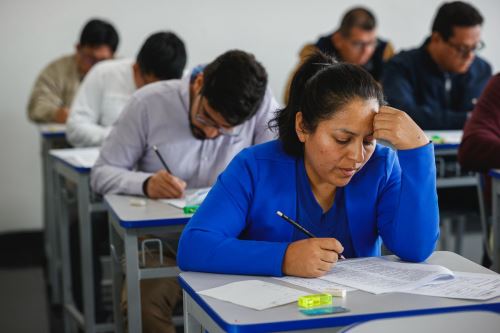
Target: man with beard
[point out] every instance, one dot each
(198, 124)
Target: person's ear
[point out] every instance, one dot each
(299, 127)
(436, 37)
(198, 83)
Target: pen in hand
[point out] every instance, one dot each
(301, 228)
(161, 159)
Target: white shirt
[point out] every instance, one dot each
(158, 115)
(99, 101)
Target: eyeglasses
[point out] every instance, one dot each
(202, 117)
(360, 45)
(464, 51)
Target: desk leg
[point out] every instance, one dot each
(496, 225)
(85, 226)
(62, 224)
(133, 283)
(51, 240)
(191, 325)
(116, 252)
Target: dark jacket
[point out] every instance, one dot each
(414, 83)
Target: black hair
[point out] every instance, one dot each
(357, 17)
(320, 88)
(234, 85)
(455, 14)
(97, 33)
(162, 55)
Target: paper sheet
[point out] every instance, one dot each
(192, 197)
(466, 285)
(378, 275)
(255, 294)
(321, 286)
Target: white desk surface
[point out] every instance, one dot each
(363, 306)
(153, 213)
(83, 158)
(456, 322)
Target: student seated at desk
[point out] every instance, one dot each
(198, 123)
(109, 85)
(327, 172)
(57, 84)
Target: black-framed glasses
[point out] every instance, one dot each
(202, 117)
(464, 51)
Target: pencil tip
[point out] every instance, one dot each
(279, 213)
(155, 148)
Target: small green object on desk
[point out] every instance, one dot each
(191, 209)
(437, 139)
(315, 300)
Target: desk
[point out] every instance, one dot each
(495, 197)
(451, 140)
(127, 223)
(52, 136)
(456, 322)
(218, 316)
(73, 165)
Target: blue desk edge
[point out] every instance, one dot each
(322, 322)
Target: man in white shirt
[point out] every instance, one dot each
(108, 86)
(198, 123)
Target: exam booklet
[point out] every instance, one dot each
(378, 275)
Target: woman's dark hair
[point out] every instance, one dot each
(320, 88)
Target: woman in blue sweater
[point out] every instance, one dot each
(327, 173)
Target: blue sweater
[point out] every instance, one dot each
(414, 83)
(236, 230)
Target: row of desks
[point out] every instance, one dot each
(127, 223)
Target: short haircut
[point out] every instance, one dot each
(455, 14)
(163, 55)
(97, 33)
(357, 17)
(234, 85)
(320, 88)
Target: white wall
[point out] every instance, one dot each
(35, 32)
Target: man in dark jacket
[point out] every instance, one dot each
(438, 83)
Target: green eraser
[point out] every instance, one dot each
(190, 209)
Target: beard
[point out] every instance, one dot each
(197, 133)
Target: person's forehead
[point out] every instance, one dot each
(358, 33)
(466, 35)
(356, 116)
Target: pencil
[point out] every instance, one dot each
(301, 228)
(161, 159)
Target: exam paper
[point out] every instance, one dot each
(466, 285)
(378, 275)
(193, 197)
(255, 294)
(315, 284)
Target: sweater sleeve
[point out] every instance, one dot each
(408, 213)
(480, 148)
(46, 96)
(210, 242)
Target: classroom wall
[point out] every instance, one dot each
(33, 33)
